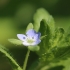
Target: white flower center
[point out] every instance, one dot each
(30, 40)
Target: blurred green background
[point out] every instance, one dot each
(15, 16)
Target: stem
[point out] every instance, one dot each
(14, 64)
(26, 59)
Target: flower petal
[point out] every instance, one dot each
(21, 37)
(30, 32)
(32, 38)
(37, 36)
(25, 43)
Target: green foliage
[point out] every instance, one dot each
(58, 36)
(44, 23)
(30, 26)
(55, 47)
(42, 37)
(19, 42)
(15, 41)
(12, 61)
(40, 15)
(34, 48)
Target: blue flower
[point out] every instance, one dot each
(32, 38)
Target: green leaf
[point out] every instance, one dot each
(43, 15)
(15, 41)
(68, 31)
(42, 37)
(30, 26)
(11, 60)
(44, 23)
(66, 64)
(65, 39)
(57, 38)
(34, 48)
(51, 52)
(61, 58)
(63, 65)
(55, 47)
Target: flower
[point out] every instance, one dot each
(32, 38)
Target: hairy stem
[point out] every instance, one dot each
(26, 59)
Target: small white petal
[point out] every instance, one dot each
(25, 43)
(21, 37)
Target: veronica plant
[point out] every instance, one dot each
(31, 39)
(51, 44)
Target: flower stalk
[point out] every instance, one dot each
(26, 59)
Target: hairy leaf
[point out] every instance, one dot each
(15, 41)
(12, 61)
(55, 47)
(30, 26)
(44, 23)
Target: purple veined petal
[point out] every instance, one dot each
(35, 43)
(37, 36)
(30, 32)
(22, 37)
